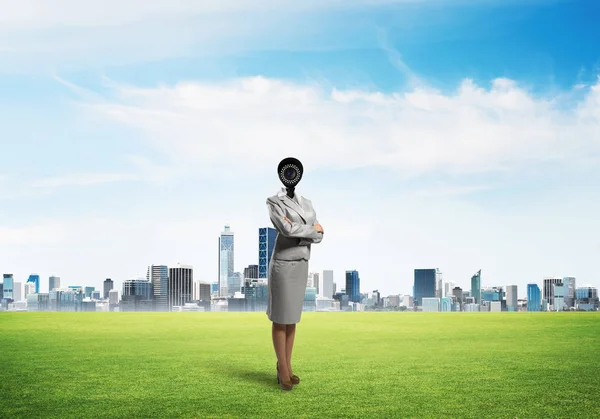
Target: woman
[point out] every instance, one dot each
(297, 228)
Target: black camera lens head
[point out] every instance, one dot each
(290, 172)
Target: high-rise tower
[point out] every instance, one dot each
(266, 243)
(225, 260)
(158, 275)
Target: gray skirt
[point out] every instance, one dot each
(287, 286)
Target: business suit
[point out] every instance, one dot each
(288, 269)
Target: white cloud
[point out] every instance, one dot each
(256, 120)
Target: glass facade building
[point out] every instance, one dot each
(353, 286)
(158, 276)
(476, 287)
(8, 287)
(570, 287)
(108, 285)
(558, 304)
(548, 290)
(181, 286)
(53, 282)
(35, 279)
(226, 254)
(310, 299)
(446, 304)
(534, 298)
(424, 285)
(266, 243)
(431, 304)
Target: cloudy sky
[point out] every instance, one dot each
(457, 135)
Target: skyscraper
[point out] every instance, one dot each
(181, 285)
(549, 283)
(17, 291)
(8, 288)
(326, 289)
(234, 283)
(558, 304)
(53, 282)
(534, 298)
(316, 280)
(569, 284)
(35, 279)
(251, 272)
(266, 243)
(225, 260)
(353, 286)
(424, 285)
(158, 276)
(476, 287)
(108, 286)
(439, 291)
(511, 298)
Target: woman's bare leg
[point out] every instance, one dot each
(290, 333)
(279, 343)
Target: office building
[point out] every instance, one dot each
(137, 295)
(353, 286)
(180, 287)
(251, 272)
(266, 243)
(439, 291)
(448, 287)
(201, 291)
(586, 298)
(158, 276)
(8, 287)
(457, 292)
(18, 291)
(326, 288)
(476, 287)
(424, 285)
(512, 303)
(315, 280)
(234, 284)
(310, 299)
(570, 287)
(226, 259)
(53, 282)
(534, 298)
(446, 304)
(559, 297)
(88, 291)
(548, 288)
(430, 304)
(108, 286)
(35, 279)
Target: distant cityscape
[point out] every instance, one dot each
(174, 289)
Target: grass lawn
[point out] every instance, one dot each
(351, 365)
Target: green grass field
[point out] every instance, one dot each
(351, 365)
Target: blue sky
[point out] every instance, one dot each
(450, 134)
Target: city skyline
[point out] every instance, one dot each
(446, 135)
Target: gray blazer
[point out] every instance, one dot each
(293, 238)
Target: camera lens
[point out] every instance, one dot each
(289, 171)
(290, 174)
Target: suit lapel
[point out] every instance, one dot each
(290, 203)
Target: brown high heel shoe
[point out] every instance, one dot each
(295, 378)
(281, 384)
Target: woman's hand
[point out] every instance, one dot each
(319, 228)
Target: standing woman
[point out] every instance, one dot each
(297, 228)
